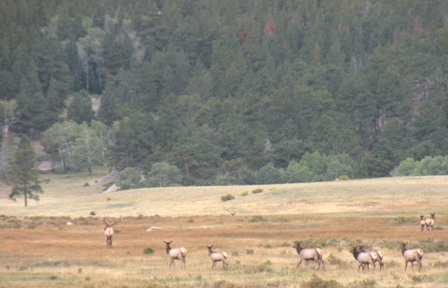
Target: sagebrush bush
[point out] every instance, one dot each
(265, 267)
(257, 218)
(366, 283)
(402, 220)
(339, 263)
(257, 190)
(227, 197)
(317, 282)
(148, 251)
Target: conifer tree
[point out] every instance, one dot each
(24, 178)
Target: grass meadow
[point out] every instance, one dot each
(38, 249)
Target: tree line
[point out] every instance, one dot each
(226, 92)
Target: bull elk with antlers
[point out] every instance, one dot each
(109, 231)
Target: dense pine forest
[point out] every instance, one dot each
(219, 92)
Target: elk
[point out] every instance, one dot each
(217, 257)
(309, 254)
(411, 255)
(377, 256)
(363, 258)
(422, 222)
(429, 222)
(109, 231)
(176, 254)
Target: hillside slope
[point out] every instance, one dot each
(77, 195)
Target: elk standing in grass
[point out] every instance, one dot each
(364, 259)
(422, 222)
(217, 257)
(109, 231)
(377, 256)
(411, 255)
(429, 222)
(176, 254)
(309, 254)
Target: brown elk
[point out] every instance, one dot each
(217, 257)
(364, 258)
(176, 254)
(377, 257)
(430, 222)
(422, 222)
(109, 231)
(309, 254)
(411, 255)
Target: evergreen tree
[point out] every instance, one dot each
(198, 154)
(75, 66)
(24, 176)
(129, 179)
(80, 109)
(163, 174)
(133, 142)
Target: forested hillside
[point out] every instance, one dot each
(203, 92)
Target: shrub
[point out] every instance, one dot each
(221, 284)
(245, 193)
(334, 260)
(257, 190)
(265, 267)
(227, 197)
(417, 278)
(366, 283)
(148, 251)
(440, 264)
(401, 220)
(317, 282)
(343, 178)
(250, 251)
(257, 218)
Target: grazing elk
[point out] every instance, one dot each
(309, 254)
(176, 254)
(411, 255)
(377, 257)
(364, 259)
(217, 257)
(422, 222)
(429, 222)
(109, 231)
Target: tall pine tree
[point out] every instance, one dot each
(24, 177)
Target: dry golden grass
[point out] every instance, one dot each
(38, 250)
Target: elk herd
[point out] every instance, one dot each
(365, 258)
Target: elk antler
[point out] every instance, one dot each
(232, 213)
(109, 223)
